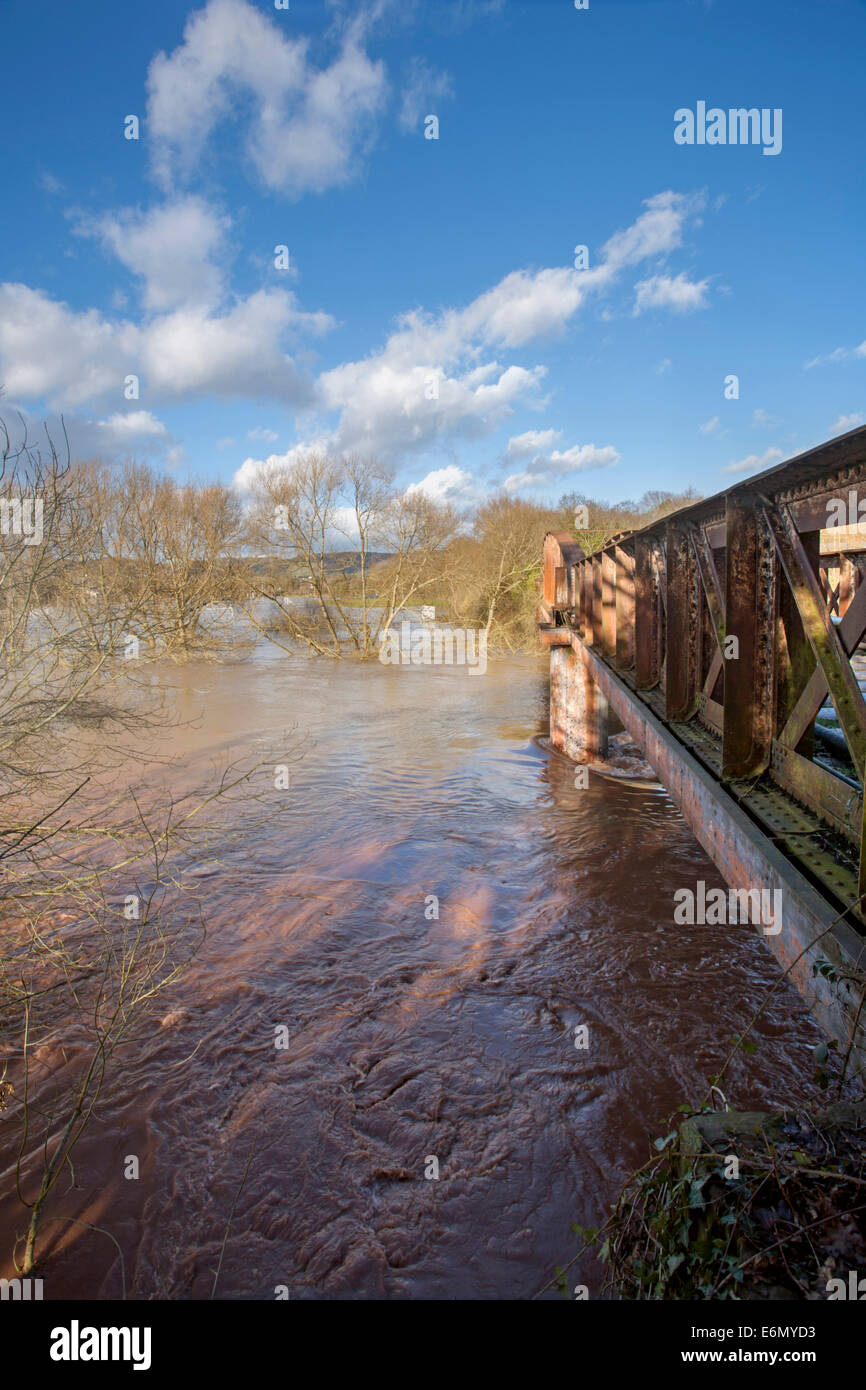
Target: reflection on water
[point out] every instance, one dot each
(412, 1036)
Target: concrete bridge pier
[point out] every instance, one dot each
(578, 709)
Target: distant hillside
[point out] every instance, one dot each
(288, 574)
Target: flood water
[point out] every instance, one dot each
(411, 1037)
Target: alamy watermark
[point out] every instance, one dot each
(21, 1290)
(436, 646)
(22, 516)
(77, 1343)
(849, 512)
(716, 907)
(738, 126)
(855, 1290)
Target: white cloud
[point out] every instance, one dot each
(423, 92)
(656, 232)
(847, 422)
(191, 353)
(524, 305)
(523, 446)
(664, 366)
(836, 355)
(546, 467)
(448, 485)
(133, 424)
(269, 436)
(436, 376)
(306, 128)
(123, 434)
(194, 338)
(677, 293)
(711, 426)
(226, 442)
(753, 462)
(49, 184)
(71, 358)
(762, 420)
(246, 475)
(173, 248)
(386, 407)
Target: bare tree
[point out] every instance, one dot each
(508, 535)
(153, 557)
(96, 916)
(301, 512)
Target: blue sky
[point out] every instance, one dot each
(431, 314)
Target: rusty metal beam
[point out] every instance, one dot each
(749, 618)
(585, 593)
(710, 583)
(560, 554)
(829, 652)
(816, 787)
(597, 604)
(647, 633)
(823, 637)
(683, 631)
(795, 663)
(713, 674)
(625, 608)
(850, 632)
(608, 589)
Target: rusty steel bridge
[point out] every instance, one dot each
(725, 639)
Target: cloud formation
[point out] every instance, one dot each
(305, 128)
(838, 354)
(457, 374)
(545, 467)
(450, 485)
(177, 249)
(72, 358)
(678, 293)
(753, 462)
(423, 92)
(847, 422)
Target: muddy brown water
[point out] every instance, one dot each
(412, 1037)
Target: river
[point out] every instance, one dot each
(411, 1036)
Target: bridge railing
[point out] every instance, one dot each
(736, 618)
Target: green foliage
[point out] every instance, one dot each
(682, 1229)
